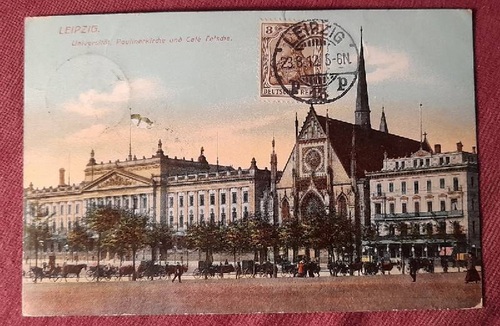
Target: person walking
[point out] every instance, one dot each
(178, 273)
(238, 270)
(472, 274)
(413, 269)
(301, 269)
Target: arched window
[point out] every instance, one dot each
(285, 210)
(342, 205)
(312, 205)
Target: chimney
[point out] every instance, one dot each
(459, 146)
(473, 149)
(437, 149)
(61, 177)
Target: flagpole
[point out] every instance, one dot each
(130, 135)
(420, 125)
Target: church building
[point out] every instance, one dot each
(328, 164)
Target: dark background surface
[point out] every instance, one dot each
(487, 71)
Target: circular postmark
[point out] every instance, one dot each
(315, 61)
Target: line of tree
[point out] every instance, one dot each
(257, 234)
(121, 231)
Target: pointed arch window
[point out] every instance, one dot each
(342, 205)
(285, 210)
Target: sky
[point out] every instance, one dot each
(201, 86)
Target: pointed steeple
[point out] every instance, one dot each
(274, 167)
(383, 123)
(362, 113)
(353, 159)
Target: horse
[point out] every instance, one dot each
(386, 266)
(288, 268)
(356, 266)
(221, 269)
(312, 268)
(338, 267)
(170, 269)
(37, 273)
(127, 270)
(370, 268)
(427, 264)
(264, 269)
(72, 269)
(150, 270)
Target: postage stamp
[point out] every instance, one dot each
(153, 168)
(313, 61)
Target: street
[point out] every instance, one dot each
(228, 295)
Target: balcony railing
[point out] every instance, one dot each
(433, 215)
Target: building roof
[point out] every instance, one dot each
(370, 145)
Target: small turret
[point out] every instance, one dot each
(92, 159)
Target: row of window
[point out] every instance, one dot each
(430, 209)
(212, 199)
(416, 186)
(419, 162)
(211, 217)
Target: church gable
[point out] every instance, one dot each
(118, 180)
(311, 129)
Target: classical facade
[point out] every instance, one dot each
(425, 202)
(170, 190)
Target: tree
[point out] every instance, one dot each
(78, 238)
(262, 235)
(236, 237)
(204, 237)
(291, 235)
(159, 236)
(36, 233)
(102, 221)
(131, 232)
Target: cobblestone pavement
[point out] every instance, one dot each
(228, 295)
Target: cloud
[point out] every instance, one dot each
(147, 88)
(385, 64)
(94, 103)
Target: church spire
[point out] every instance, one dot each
(362, 113)
(383, 123)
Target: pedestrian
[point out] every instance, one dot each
(238, 270)
(178, 273)
(444, 264)
(413, 269)
(310, 269)
(301, 268)
(472, 274)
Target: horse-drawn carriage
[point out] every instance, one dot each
(251, 268)
(56, 273)
(104, 272)
(38, 273)
(207, 269)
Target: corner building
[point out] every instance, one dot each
(426, 202)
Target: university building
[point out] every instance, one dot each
(426, 204)
(170, 190)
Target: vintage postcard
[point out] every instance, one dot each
(240, 162)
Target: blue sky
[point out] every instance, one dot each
(77, 98)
